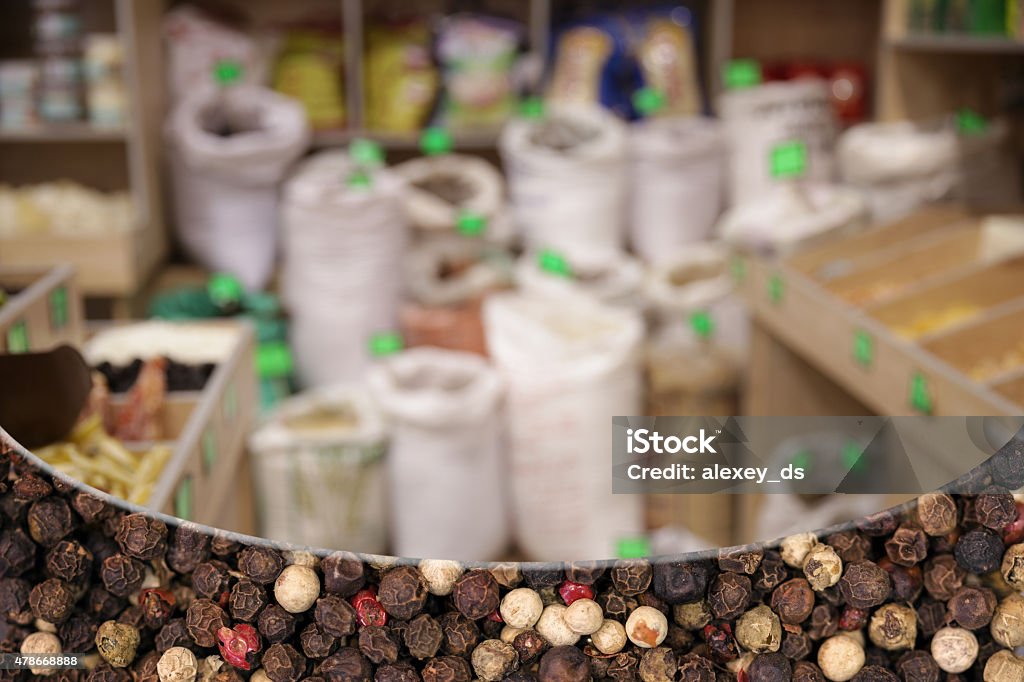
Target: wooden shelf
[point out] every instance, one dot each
(67, 132)
(958, 44)
(404, 141)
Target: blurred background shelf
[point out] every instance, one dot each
(957, 44)
(64, 132)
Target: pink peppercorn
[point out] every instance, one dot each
(570, 592)
(238, 645)
(368, 610)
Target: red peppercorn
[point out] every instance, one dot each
(853, 618)
(239, 645)
(495, 616)
(368, 609)
(570, 592)
(1014, 533)
(721, 642)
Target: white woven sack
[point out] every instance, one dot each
(677, 184)
(319, 472)
(569, 365)
(226, 187)
(758, 119)
(488, 268)
(615, 279)
(567, 180)
(445, 459)
(342, 249)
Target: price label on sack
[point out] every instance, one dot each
(531, 107)
(366, 153)
(59, 308)
(702, 324)
(863, 348)
(471, 223)
(649, 101)
(776, 289)
(741, 73)
(554, 263)
(17, 338)
(788, 159)
(633, 548)
(435, 141)
(183, 499)
(224, 290)
(227, 72)
(920, 394)
(970, 122)
(386, 343)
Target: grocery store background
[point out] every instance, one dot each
(403, 261)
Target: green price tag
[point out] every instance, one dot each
(274, 360)
(224, 290)
(649, 101)
(531, 107)
(471, 224)
(386, 343)
(183, 499)
(742, 73)
(789, 159)
(17, 338)
(920, 395)
(227, 72)
(851, 456)
(970, 122)
(366, 153)
(863, 348)
(435, 141)
(554, 263)
(59, 308)
(209, 447)
(634, 548)
(702, 324)
(738, 267)
(776, 289)
(359, 179)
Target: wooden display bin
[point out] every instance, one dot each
(44, 308)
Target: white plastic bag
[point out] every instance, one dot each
(758, 119)
(226, 186)
(791, 217)
(677, 184)
(342, 247)
(615, 279)
(898, 166)
(570, 364)
(444, 464)
(319, 471)
(567, 180)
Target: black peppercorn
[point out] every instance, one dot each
(347, 665)
(69, 561)
(875, 673)
(102, 605)
(770, 667)
(222, 545)
(744, 559)
(796, 645)
(793, 600)
(246, 600)
(615, 605)
(529, 645)
(943, 576)
(402, 592)
(30, 487)
(211, 580)
(631, 577)
(937, 513)
(918, 666)
(316, 643)
(282, 663)
(972, 607)
(907, 581)
(49, 520)
(539, 576)
(931, 616)
(101, 546)
(90, 508)
(770, 573)
(77, 633)
(277, 625)
(188, 547)
(142, 537)
(679, 582)
(648, 599)
(122, 574)
(696, 668)
(658, 665)
(624, 667)
(584, 572)
(335, 615)
(979, 551)
(203, 619)
(261, 564)
(995, 507)
(476, 594)
(52, 600)
(396, 672)
(13, 597)
(907, 546)
(564, 664)
(104, 672)
(174, 633)
(823, 622)
(850, 545)
(1007, 465)
(729, 595)
(865, 584)
(460, 634)
(805, 671)
(879, 524)
(343, 573)
(491, 629)
(446, 669)
(422, 637)
(144, 669)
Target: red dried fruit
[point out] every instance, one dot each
(721, 642)
(369, 610)
(570, 592)
(853, 619)
(495, 616)
(239, 645)
(1014, 533)
(157, 606)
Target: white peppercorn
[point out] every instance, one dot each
(840, 658)
(584, 616)
(1007, 622)
(509, 633)
(298, 557)
(260, 676)
(647, 627)
(440, 575)
(553, 628)
(41, 644)
(759, 630)
(610, 638)
(954, 649)
(296, 588)
(692, 616)
(822, 567)
(1013, 566)
(177, 664)
(492, 659)
(794, 548)
(1004, 666)
(521, 608)
(893, 626)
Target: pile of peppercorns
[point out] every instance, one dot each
(925, 593)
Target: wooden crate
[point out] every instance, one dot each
(44, 308)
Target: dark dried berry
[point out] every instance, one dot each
(211, 580)
(679, 582)
(979, 551)
(771, 573)
(122, 574)
(729, 595)
(823, 623)
(879, 524)
(276, 624)
(721, 642)
(931, 617)
(995, 508)
(852, 619)
(282, 663)
(104, 672)
(793, 601)
(907, 546)
(658, 665)
(631, 576)
(850, 545)
(865, 585)
(203, 619)
(347, 665)
(943, 577)
(335, 615)
(696, 668)
(49, 521)
(378, 644)
(174, 633)
(422, 636)
(805, 671)
(624, 667)
(13, 596)
(918, 666)
(744, 559)
(69, 561)
(796, 645)
(142, 537)
(222, 545)
(102, 605)
(875, 673)
(584, 572)
(403, 592)
(343, 573)
(144, 669)
(157, 606)
(446, 669)
(397, 672)
(616, 606)
(529, 645)
(188, 548)
(564, 664)
(1007, 465)
(539, 576)
(89, 507)
(31, 487)
(101, 546)
(972, 607)
(937, 513)
(907, 582)
(246, 600)
(460, 634)
(52, 600)
(476, 594)
(316, 643)
(770, 667)
(261, 564)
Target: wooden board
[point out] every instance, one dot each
(986, 351)
(45, 312)
(1013, 390)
